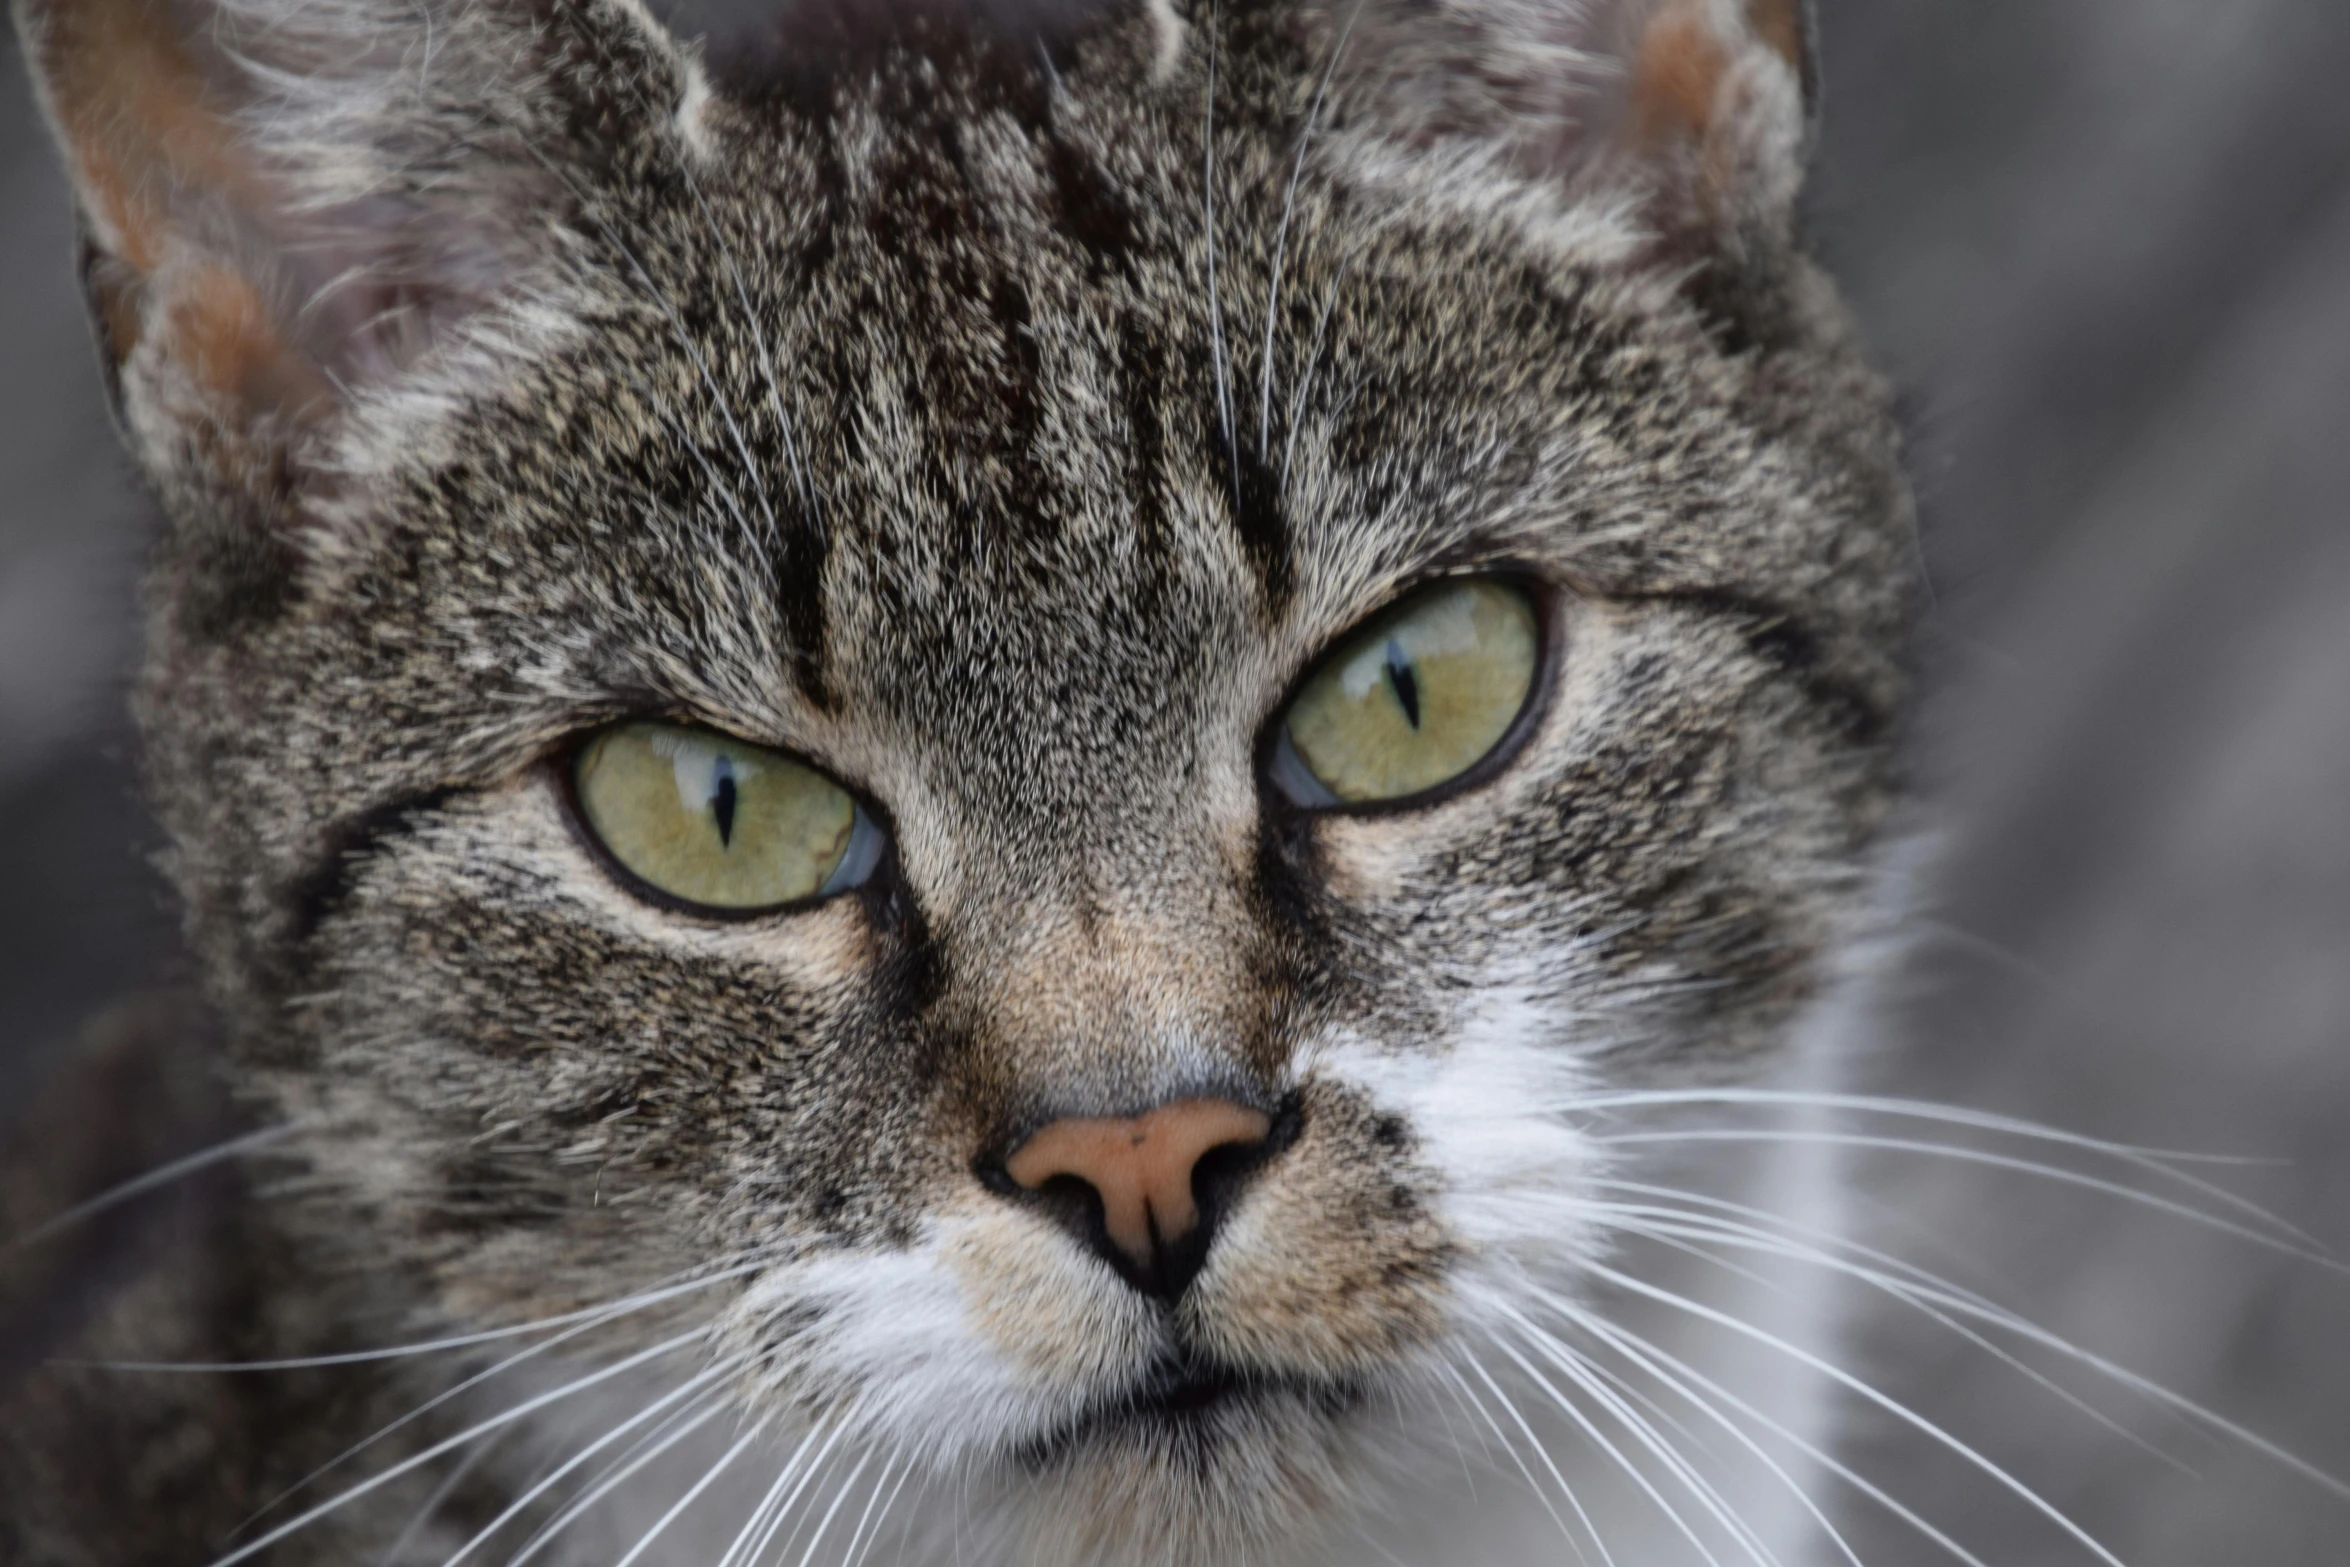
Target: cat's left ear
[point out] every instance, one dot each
(288, 206)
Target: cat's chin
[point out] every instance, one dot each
(1199, 1463)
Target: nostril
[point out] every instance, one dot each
(1145, 1191)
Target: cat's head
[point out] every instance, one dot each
(1051, 692)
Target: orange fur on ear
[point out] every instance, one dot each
(131, 103)
(1779, 23)
(223, 335)
(156, 153)
(1677, 80)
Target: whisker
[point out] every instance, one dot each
(1547, 1344)
(684, 339)
(775, 1503)
(783, 420)
(1881, 1400)
(859, 1544)
(692, 1391)
(1574, 1502)
(626, 1306)
(1640, 1353)
(2155, 1161)
(139, 1185)
(838, 1497)
(450, 1444)
(1632, 1471)
(1940, 1304)
(439, 1497)
(1684, 1239)
(693, 1493)
(401, 1351)
(1297, 402)
(1984, 1157)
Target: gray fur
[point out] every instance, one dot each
(921, 422)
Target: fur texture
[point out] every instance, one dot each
(1002, 412)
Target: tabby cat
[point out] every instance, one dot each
(1075, 784)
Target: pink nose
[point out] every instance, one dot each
(1141, 1167)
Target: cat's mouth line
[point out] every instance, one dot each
(1183, 1400)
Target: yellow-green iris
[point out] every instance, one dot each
(1419, 696)
(713, 821)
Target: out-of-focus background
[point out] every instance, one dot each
(2105, 245)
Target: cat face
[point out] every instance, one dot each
(995, 442)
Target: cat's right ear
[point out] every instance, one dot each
(295, 212)
(1687, 122)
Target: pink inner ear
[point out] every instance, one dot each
(1677, 78)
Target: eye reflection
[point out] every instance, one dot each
(717, 823)
(1414, 700)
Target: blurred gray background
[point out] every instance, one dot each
(2105, 246)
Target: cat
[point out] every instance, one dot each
(1078, 785)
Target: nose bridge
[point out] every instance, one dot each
(1105, 1006)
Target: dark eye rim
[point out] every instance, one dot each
(563, 765)
(1549, 605)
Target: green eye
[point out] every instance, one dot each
(711, 821)
(1413, 700)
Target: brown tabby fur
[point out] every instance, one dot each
(1003, 413)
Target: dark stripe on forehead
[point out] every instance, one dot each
(800, 557)
(801, 52)
(1253, 489)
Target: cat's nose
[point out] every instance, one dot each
(1159, 1178)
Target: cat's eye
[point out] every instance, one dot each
(1414, 700)
(719, 824)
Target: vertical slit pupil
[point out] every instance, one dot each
(1406, 684)
(722, 800)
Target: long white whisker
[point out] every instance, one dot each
(161, 1176)
(2154, 1161)
(693, 1493)
(838, 1497)
(1623, 1460)
(604, 1312)
(1847, 1380)
(783, 420)
(1930, 1297)
(1305, 382)
(687, 1391)
(773, 1497)
(626, 1306)
(471, 1434)
(1545, 1341)
(684, 339)
(860, 1544)
(1649, 1358)
(1978, 1156)
(434, 1502)
(1582, 1514)
(1683, 1234)
(782, 1511)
